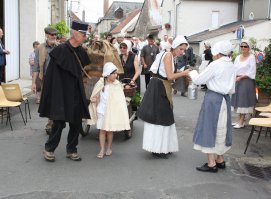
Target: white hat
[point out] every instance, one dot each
(222, 47)
(109, 68)
(247, 42)
(180, 39)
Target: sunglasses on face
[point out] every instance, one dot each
(243, 46)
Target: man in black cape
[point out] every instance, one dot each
(63, 98)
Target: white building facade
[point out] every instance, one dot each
(23, 22)
(188, 17)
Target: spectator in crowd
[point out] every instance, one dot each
(183, 62)
(42, 59)
(96, 38)
(148, 54)
(130, 64)
(108, 37)
(207, 58)
(113, 40)
(163, 43)
(244, 99)
(120, 39)
(3, 53)
(31, 61)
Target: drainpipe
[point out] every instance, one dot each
(243, 10)
(176, 16)
(269, 10)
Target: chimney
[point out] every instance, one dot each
(106, 6)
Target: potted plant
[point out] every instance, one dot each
(135, 101)
(263, 76)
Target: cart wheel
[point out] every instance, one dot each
(129, 133)
(85, 130)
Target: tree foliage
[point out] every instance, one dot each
(61, 27)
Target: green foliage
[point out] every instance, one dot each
(61, 27)
(234, 55)
(136, 99)
(263, 75)
(103, 35)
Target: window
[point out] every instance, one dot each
(215, 19)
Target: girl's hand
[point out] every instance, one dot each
(93, 99)
(127, 86)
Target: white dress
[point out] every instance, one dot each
(157, 138)
(101, 107)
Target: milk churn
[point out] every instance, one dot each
(192, 91)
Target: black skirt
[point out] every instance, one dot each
(155, 107)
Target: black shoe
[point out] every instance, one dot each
(221, 165)
(206, 168)
(160, 155)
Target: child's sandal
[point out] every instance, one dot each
(108, 152)
(100, 155)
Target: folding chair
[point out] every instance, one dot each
(13, 93)
(4, 103)
(257, 122)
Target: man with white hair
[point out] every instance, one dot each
(213, 133)
(163, 43)
(63, 97)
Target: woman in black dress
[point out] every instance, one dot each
(130, 64)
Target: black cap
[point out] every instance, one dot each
(50, 30)
(80, 26)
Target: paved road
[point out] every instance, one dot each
(130, 172)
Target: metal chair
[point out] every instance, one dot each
(257, 122)
(4, 103)
(13, 93)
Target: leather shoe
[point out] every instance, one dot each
(206, 168)
(221, 165)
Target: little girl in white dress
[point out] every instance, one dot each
(108, 108)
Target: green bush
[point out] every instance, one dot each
(263, 74)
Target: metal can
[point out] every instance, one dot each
(192, 91)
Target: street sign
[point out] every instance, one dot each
(260, 56)
(240, 32)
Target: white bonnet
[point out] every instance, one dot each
(180, 39)
(128, 44)
(109, 67)
(222, 47)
